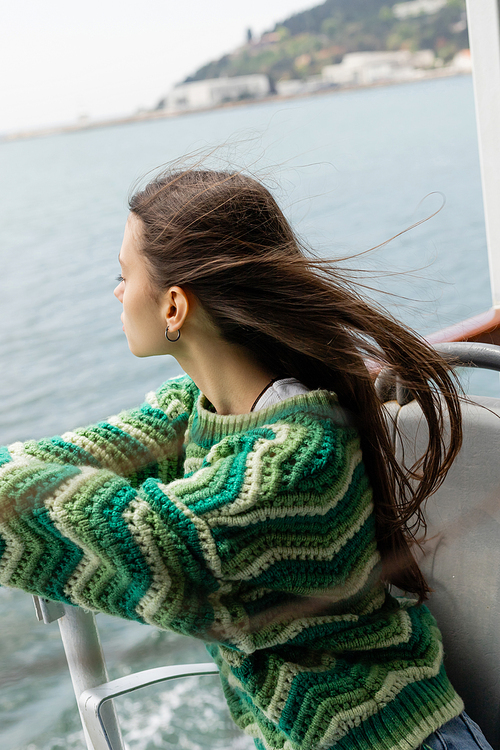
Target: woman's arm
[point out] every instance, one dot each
(84, 536)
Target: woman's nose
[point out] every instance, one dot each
(118, 292)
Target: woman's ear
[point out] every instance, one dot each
(176, 308)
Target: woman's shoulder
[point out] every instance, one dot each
(180, 392)
(279, 390)
(291, 400)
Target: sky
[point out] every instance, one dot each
(65, 59)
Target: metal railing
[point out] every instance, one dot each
(93, 689)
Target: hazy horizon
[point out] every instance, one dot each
(60, 62)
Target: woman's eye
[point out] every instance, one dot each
(120, 278)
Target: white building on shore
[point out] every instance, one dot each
(215, 91)
(365, 68)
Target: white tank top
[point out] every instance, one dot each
(279, 391)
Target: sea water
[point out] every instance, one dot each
(351, 170)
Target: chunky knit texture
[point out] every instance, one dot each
(254, 532)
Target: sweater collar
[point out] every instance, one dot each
(213, 426)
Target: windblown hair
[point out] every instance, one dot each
(222, 236)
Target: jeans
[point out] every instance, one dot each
(461, 733)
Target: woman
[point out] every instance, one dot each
(256, 502)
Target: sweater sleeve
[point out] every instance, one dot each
(141, 442)
(85, 536)
(82, 520)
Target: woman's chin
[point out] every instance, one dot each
(136, 351)
(141, 352)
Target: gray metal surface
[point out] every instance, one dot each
(459, 353)
(471, 354)
(462, 555)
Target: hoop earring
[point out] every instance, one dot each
(172, 341)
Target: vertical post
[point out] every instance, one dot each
(484, 36)
(86, 664)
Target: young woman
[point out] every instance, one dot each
(255, 503)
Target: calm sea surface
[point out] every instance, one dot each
(351, 170)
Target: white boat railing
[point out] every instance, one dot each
(484, 36)
(93, 690)
(93, 703)
(85, 658)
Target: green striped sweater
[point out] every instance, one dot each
(254, 532)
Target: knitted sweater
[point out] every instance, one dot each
(254, 532)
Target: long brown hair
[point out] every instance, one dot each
(222, 235)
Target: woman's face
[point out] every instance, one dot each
(142, 316)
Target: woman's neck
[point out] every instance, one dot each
(227, 374)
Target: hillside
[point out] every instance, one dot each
(303, 44)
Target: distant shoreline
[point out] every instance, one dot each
(162, 115)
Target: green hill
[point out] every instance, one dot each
(303, 44)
